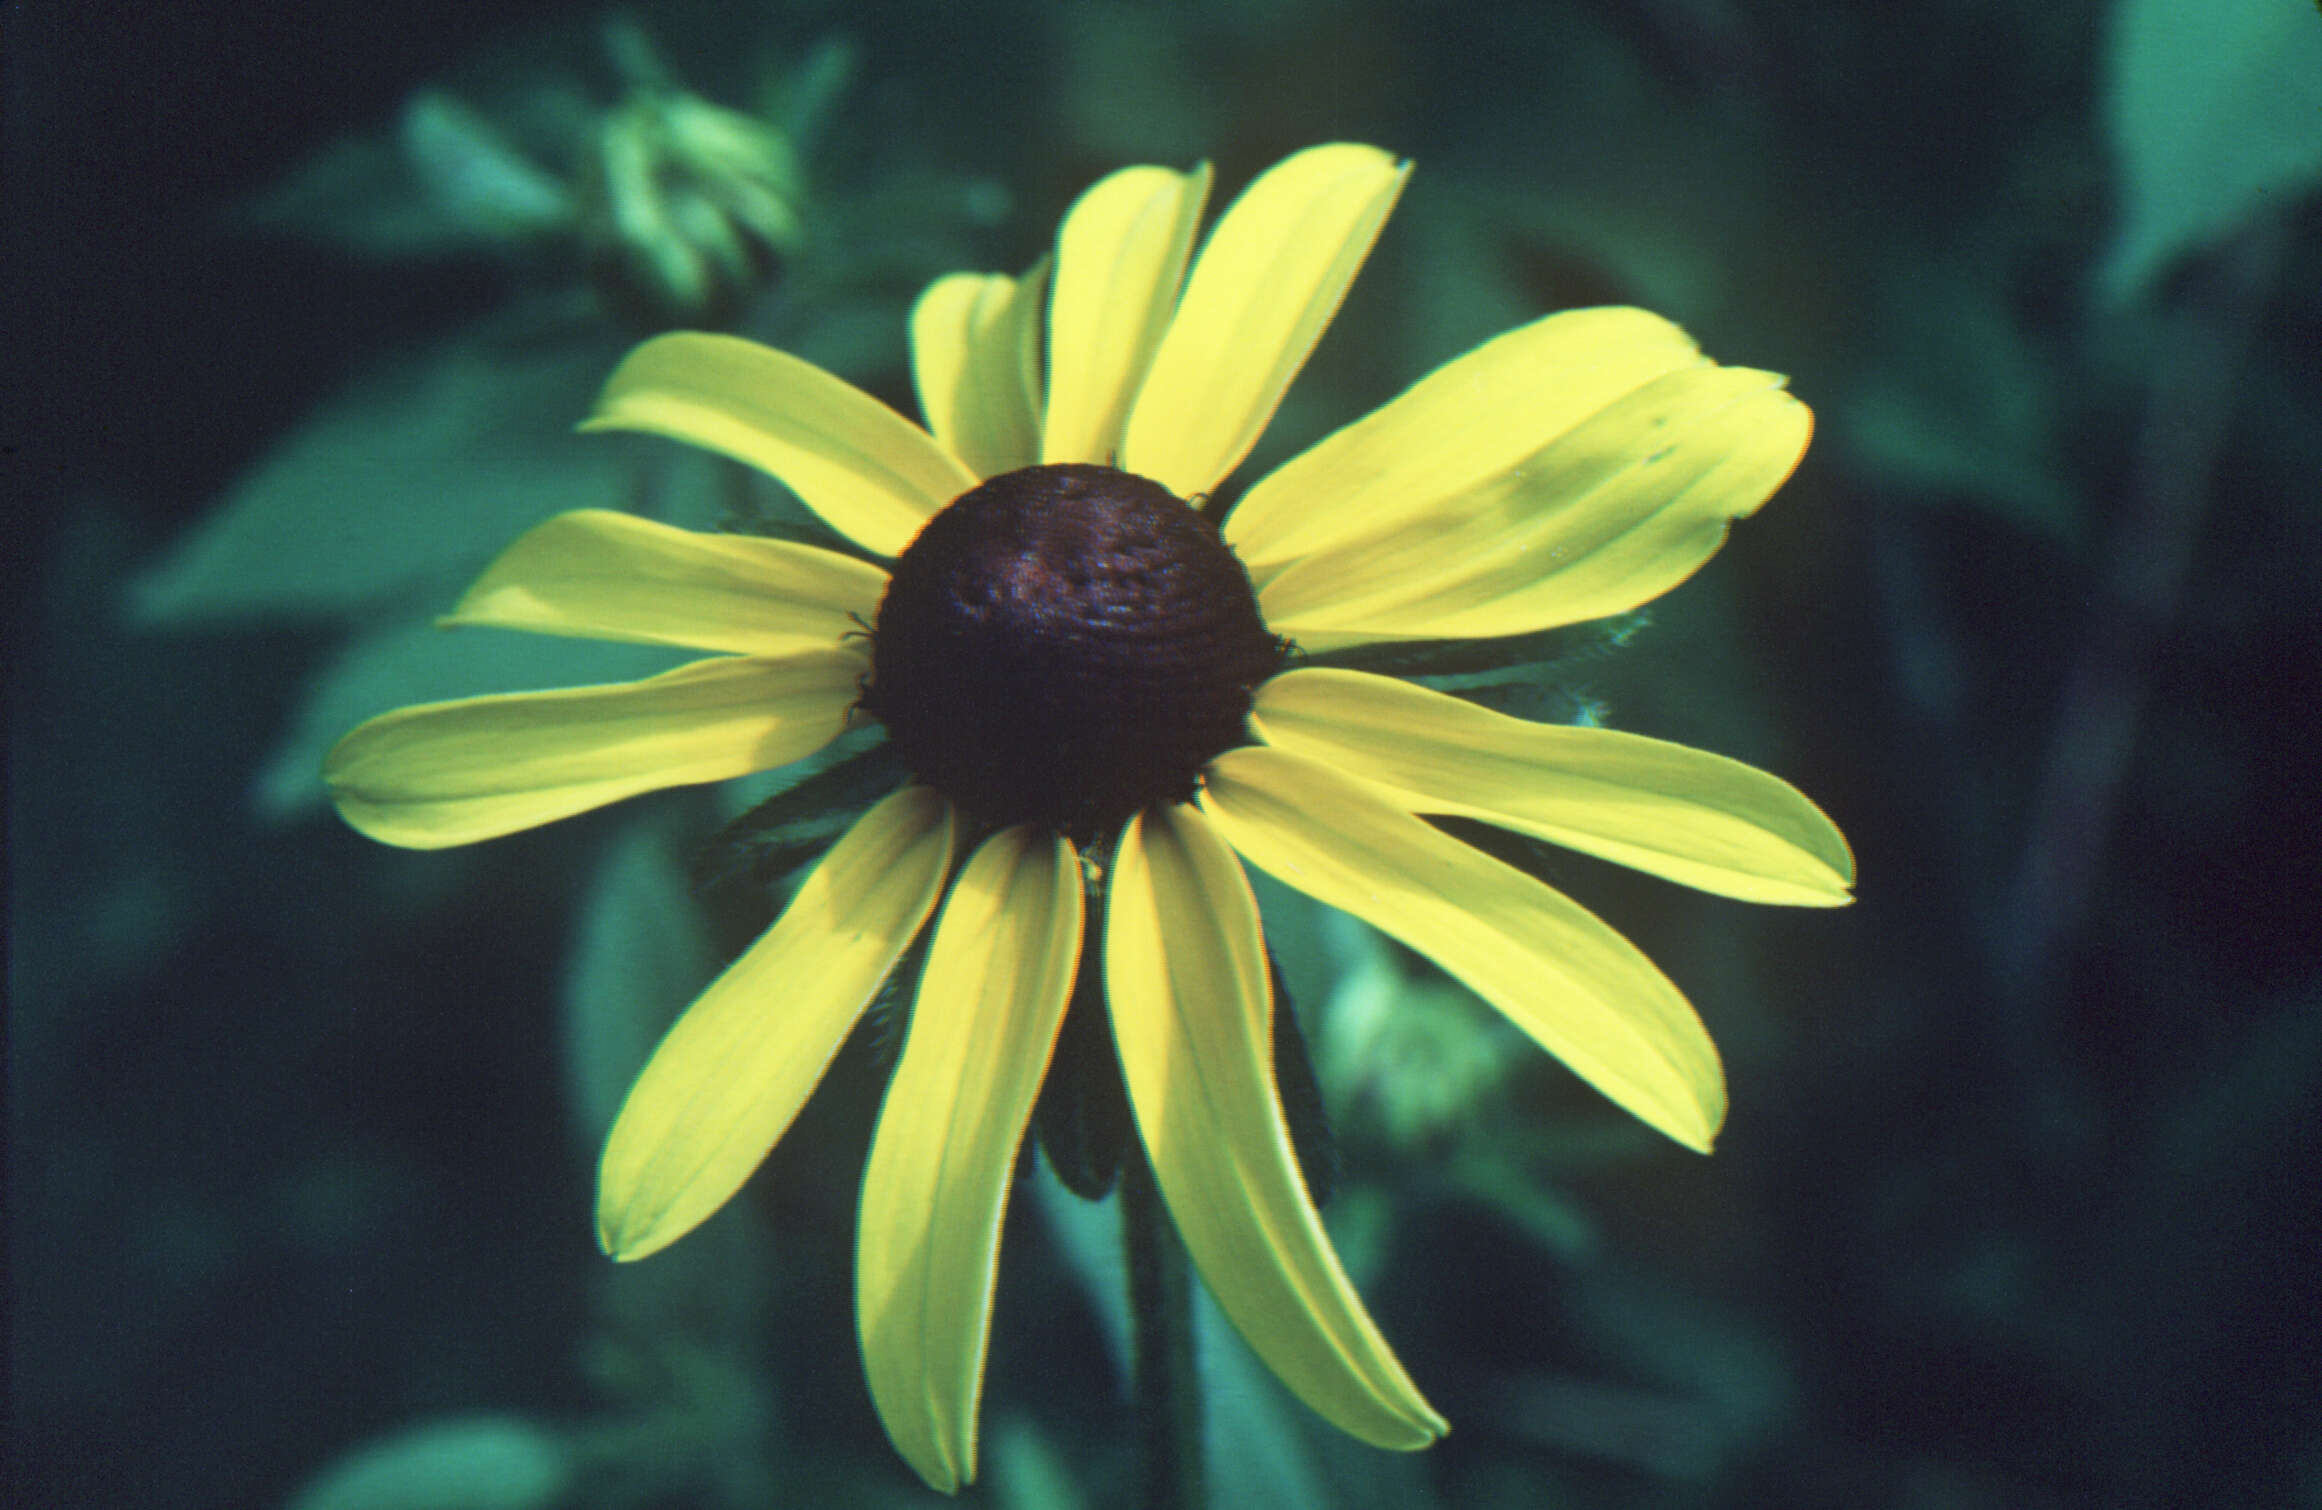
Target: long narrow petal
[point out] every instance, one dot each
(975, 357)
(732, 1072)
(998, 975)
(1578, 989)
(1611, 515)
(440, 774)
(1693, 817)
(607, 576)
(1120, 260)
(1469, 422)
(871, 474)
(1268, 280)
(1185, 975)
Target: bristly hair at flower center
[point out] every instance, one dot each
(1065, 645)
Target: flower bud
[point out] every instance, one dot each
(691, 210)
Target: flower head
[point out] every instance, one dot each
(1074, 663)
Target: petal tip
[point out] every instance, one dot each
(1700, 1134)
(623, 1238)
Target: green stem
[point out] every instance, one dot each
(1166, 1387)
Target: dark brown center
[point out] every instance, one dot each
(1065, 645)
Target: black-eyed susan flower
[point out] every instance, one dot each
(1081, 671)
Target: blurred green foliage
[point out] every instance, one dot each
(1955, 1250)
(2215, 112)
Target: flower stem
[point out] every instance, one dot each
(1167, 1389)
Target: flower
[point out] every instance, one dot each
(1567, 470)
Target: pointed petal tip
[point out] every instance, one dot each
(1698, 1131)
(944, 1459)
(1416, 1426)
(997, 979)
(1191, 1011)
(942, 1477)
(1687, 815)
(625, 1241)
(1266, 283)
(1426, 1431)
(1839, 894)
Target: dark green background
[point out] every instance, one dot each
(2017, 1206)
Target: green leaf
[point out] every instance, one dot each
(476, 1462)
(401, 487)
(1253, 1432)
(1959, 401)
(639, 955)
(2215, 110)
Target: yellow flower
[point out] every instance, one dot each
(1567, 470)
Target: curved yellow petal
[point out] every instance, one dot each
(733, 1071)
(1120, 259)
(1613, 514)
(1695, 818)
(440, 774)
(1578, 989)
(1185, 975)
(871, 474)
(1268, 280)
(991, 998)
(1472, 420)
(975, 358)
(608, 576)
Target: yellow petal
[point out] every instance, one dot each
(450, 773)
(991, 998)
(1578, 989)
(871, 474)
(1693, 817)
(1185, 974)
(733, 1071)
(607, 576)
(975, 356)
(1469, 422)
(1120, 258)
(1611, 515)
(1268, 280)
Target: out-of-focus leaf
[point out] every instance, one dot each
(359, 194)
(473, 165)
(1687, 1390)
(1264, 1449)
(1527, 1196)
(484, 1462)
(1680, 204)
(800, 99)
(405, 483)
(1028, 1473)
(639, 955)
(416, 662)
(1959, 402)
(1257, 1458)
(2215, 109)
(482, 181)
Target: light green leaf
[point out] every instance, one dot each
(2215, 110)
